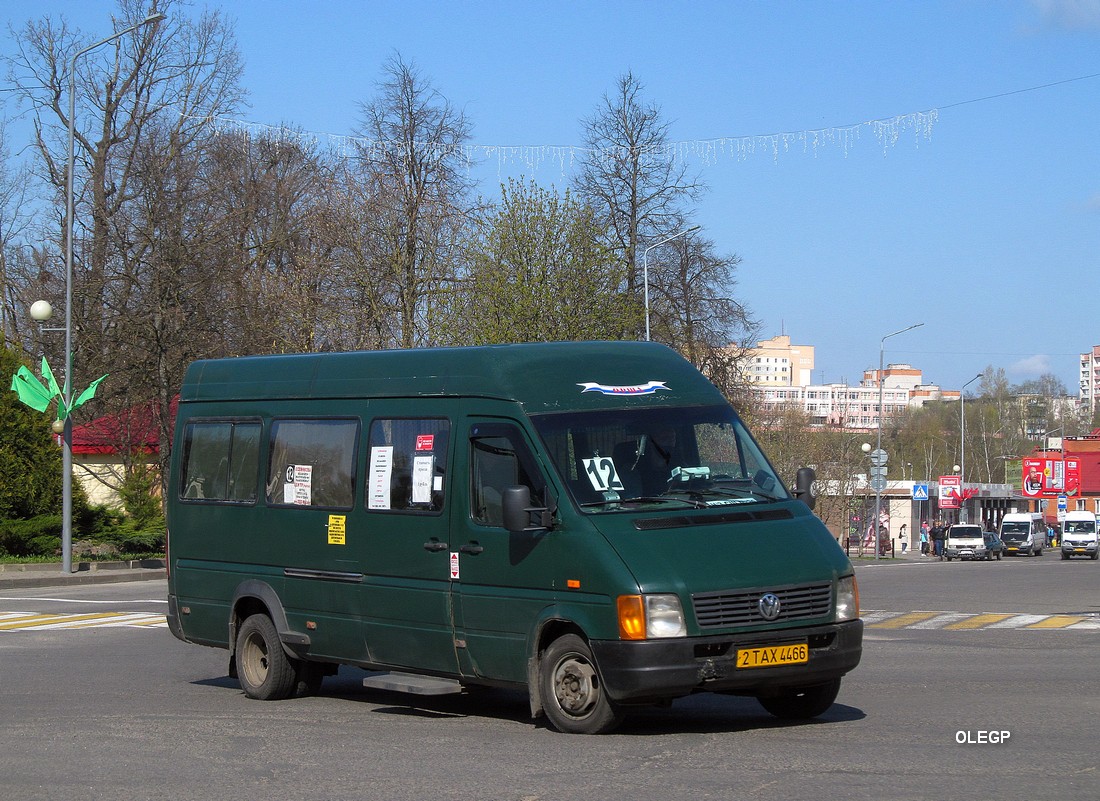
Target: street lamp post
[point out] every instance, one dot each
(964, 516)
(645, 269)
(67, 390)
(881, 412)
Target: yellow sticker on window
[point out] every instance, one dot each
(336, 529)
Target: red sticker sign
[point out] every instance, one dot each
(425, 442)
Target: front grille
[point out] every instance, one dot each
(724, 609)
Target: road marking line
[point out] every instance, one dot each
(44, 621)
(1058, 622)
(977, 622)
(24, 621)
(908, 619)
(1018, 621)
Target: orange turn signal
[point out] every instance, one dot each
(631, 617)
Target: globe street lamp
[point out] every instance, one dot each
(67, 391)
(645, 269)
(881, 414)
(964, 516)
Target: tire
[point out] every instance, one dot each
(572, 691)
(999, 555)
(802, 703)
(264, 670)
(1065, 556)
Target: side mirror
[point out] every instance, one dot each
(518, 510)
(804, 486)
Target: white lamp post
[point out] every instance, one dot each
(964, 517)
(645, 269)
(67, 390)
(881, 414)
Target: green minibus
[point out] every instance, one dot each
(588, 521)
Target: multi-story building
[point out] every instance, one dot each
(776, 362)
(857, 406)
(1089, 393)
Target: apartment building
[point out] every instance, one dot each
(1089, 392)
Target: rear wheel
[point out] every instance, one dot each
(802, 703)
(264, 670)
(572, 691)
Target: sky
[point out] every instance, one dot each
(874, 165)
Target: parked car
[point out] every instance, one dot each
(967, 541)
(994, 548)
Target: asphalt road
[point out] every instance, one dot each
(118, 709)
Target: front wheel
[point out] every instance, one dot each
(264, 670)
(571, 689)
(802, 703)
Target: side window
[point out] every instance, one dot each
(312, 463)
(220, 461)
(406, 465)
(500, 458)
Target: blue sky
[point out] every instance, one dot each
(982, 221)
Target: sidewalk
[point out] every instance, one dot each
(16, 576)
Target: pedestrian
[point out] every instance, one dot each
(904, 538)
(924, 539)
(938, 533)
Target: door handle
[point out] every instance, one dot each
(472, 548)
(435, 545)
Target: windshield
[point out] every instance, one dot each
(694, 456)
(1015, 528)
(958, 532)
(1080, 526)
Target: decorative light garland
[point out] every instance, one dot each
(887, 132)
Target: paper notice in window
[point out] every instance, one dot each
(299, 487)
(381, 468)
(423, 467)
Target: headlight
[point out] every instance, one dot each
(664, 617)
(644, 617)
(847, 599)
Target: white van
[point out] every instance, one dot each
(1079, 535)
(968, 541)
(1023, 533)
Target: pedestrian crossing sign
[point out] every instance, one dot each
(920, 492)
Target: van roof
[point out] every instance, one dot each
(554, 376)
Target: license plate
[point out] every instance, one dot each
(1078, 550)
(1013, 548)
(773, 655)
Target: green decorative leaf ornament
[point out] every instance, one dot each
(39, 393)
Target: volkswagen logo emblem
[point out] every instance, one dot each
(769, 605)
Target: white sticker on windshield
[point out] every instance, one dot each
(602, 474)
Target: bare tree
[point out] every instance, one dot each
(144, 105)
(412, 159)
(629, 174)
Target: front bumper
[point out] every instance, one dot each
(1072, 549)
(659, 669)
(966, 553)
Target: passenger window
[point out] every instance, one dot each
(220, 461)
(406, 465)
(312, 463)
(500, 458)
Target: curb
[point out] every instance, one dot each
(14, 576)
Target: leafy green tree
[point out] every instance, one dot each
(536, 272)
(30, 462)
